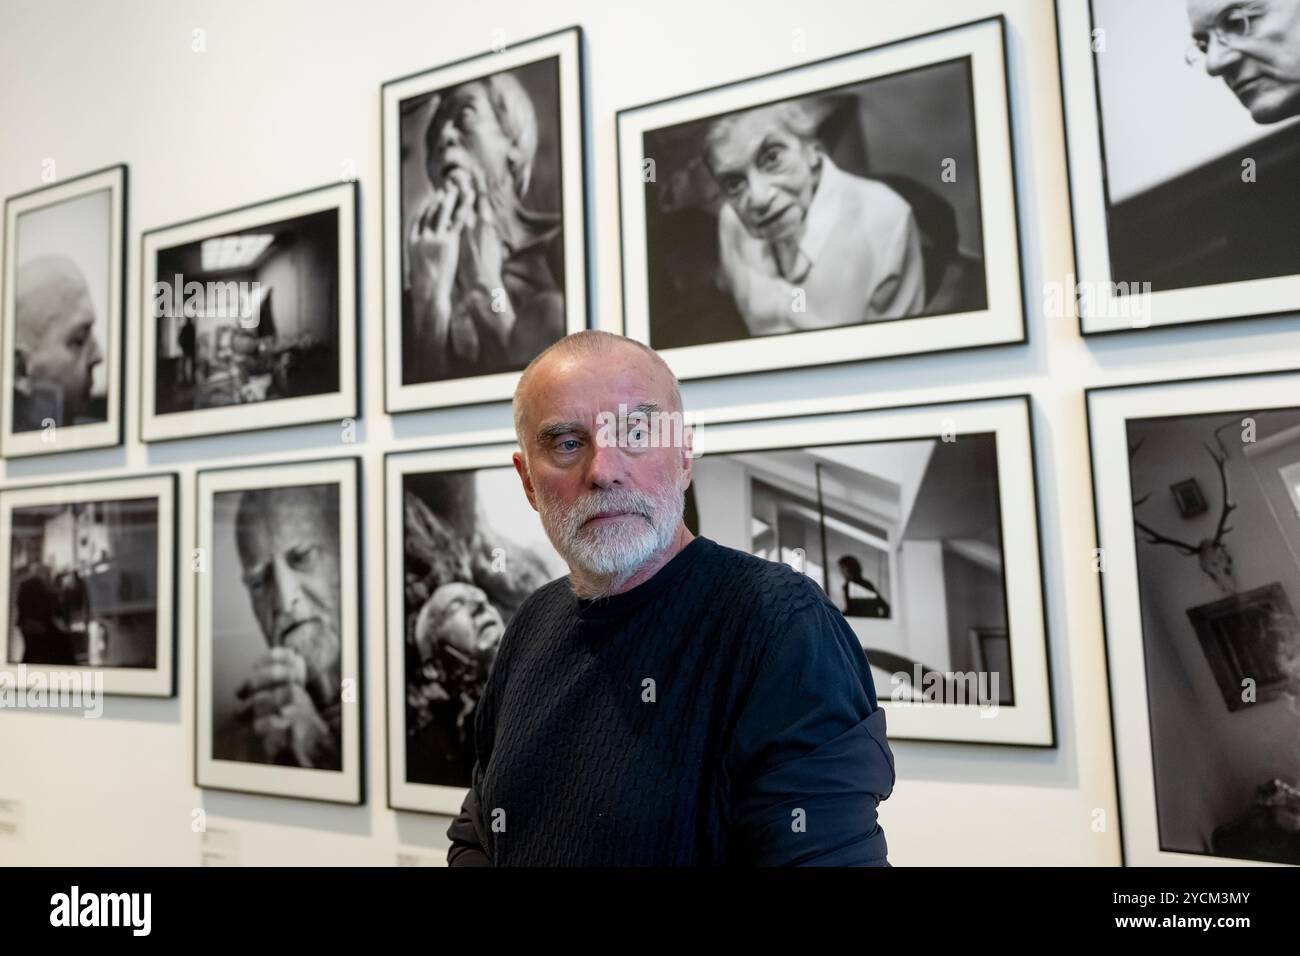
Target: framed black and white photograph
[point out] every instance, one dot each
(463, 550)
(279, 630)
(88, 574)
(63, 316)
(1202, 636)
(859, 207)
(921, 524)
(252, 307)
(1182, 113)
(484, 219)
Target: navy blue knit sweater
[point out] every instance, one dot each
(722, 712)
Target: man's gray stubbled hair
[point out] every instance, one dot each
(589, 342)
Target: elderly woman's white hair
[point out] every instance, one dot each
(515, 114)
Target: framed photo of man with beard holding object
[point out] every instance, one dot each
(858, 207)
(278, 630)
(485, 235)
(89, 582)
(1186, 112)
(63, 316)
(464, 549)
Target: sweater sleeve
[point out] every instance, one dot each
(811, 760)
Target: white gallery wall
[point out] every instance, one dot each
(286, 97)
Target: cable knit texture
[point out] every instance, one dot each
(722, 712)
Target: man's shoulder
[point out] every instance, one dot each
(768, 588)
(871, 197)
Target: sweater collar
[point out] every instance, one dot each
(621, 605)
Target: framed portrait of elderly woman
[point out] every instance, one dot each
(463, 550)
(858, 207)
(88, 589)
(1186, 112)
(921, 524)
(484, 219)
(278, 630)
(1202, 633)
(255, 307)
(62, 321)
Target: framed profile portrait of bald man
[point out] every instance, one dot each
(463, 550)
(858, 207)
(88, 588)
(250, 317)
(485, 236)
(278, 630)
(62, 319)
(1183, 127)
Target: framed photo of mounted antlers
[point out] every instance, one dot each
(1202, 638)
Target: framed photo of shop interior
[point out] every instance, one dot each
(88, 574)
(252, 307)
(858, 207)
(464, 549)
(279, 630)
(1175, 120)
(63, 315)
(921, 523)
(484, 220)
(1203, 642)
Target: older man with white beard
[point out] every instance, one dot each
(671, 701)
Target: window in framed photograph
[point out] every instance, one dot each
(484, 220)
(279, 631)
(250, 317)
(463, 550)
(89, 584)
(1180, 113)
(921, 524)
(63, 316)
(1202, 638)
(858, 207)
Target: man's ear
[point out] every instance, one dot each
(519, 170)
(522, 469)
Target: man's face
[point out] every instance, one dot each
(290, 552)
(1263, 69)
(608, 508)
(462, 616)
(766, 173)
(465, 142)
(57, 341)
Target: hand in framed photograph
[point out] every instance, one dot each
(464, 550)
(91, 571)
(1182, 111)
(1197, 520)
(63, 316)
(484, 219)
(278, 630)
(255, 307)
(813, 209)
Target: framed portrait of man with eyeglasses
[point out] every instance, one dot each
(1183, 126)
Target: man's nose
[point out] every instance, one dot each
(605, 466)
(96, 353)
(448, 136)
(288, 594)
(1219, 57)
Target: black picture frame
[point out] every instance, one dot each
(1005, 307)
(568, 46)
(110, 432)
(342, 404)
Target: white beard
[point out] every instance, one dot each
(613, 551)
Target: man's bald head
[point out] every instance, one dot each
(589, 346)
(54, 337)
(47, 288)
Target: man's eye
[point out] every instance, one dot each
(732, 185)
(1236, 23)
